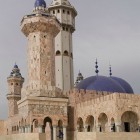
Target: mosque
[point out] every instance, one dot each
(50, 106)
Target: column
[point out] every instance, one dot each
(118, 127)
(29, 129)
(19, 129)
(22, 129)
(85, 128)
(111, 128)
(40, 129)
(64, 133)
(54, 132)
(26, 129)
(138, 129)
(98, 128)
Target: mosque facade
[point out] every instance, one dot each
(50, 106)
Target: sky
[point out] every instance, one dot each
(108, 30)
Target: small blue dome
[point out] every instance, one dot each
(40, 3)
(102, 83)
(16, 66)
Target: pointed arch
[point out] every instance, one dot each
(34, 127)
(113, 126)
(47, 127)
(90, 123)
(129, 121)
(80, 124)
(103, 122)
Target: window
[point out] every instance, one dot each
(53, 12)
(64, 11)
(66, 53)
(58, 53)
(58, 11)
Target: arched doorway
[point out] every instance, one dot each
(90, 123)
(103, 122)
(60, 130)
(47, 128)
(80, 125)
(113, 126)
(34, 127)
(129, 121)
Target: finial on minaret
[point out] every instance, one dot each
(110, 70)
(79, 78)
(96, 66)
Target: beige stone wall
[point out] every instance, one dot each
(1, 127)
(107, 136)
(39, 108)
(106, 109)
(31, 136)
(40, 31)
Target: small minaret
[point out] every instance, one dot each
(40, 28)
(15, 82)
(79, 78)
(66, 14)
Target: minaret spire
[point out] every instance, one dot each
(96, 66)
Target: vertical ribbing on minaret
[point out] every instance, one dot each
(66, 14)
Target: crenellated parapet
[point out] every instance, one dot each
(79, 96)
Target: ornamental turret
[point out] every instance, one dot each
(40, 28)
(15, 82)
(66, 14)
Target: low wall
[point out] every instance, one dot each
(30, 136)
(107, 136)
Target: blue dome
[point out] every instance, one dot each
(39, 3)
(123, 83)
(16, 66)
(102, 83)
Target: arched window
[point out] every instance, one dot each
(66, 53)
(58, 53)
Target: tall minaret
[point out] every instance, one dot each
(40, 28)
(66, 14)
(15, 82)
